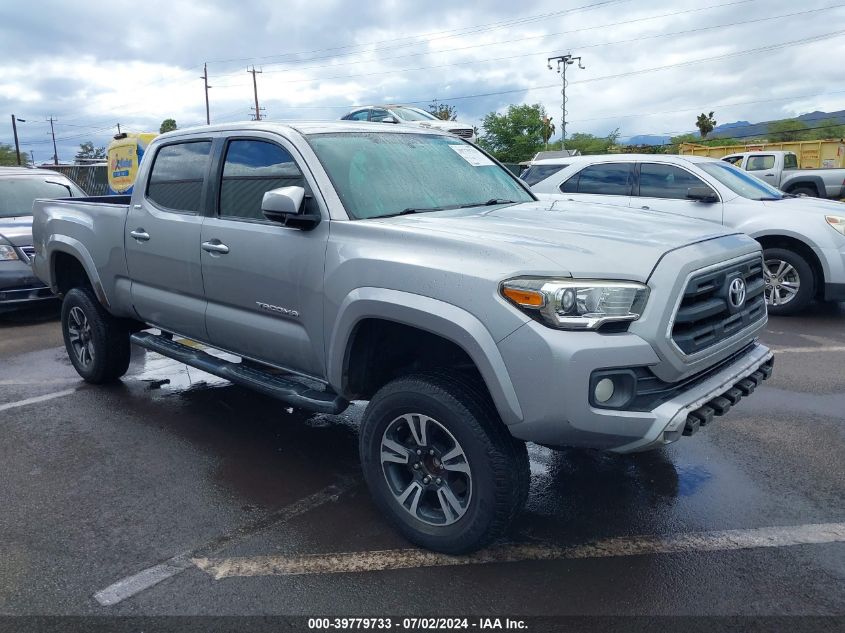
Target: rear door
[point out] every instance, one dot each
(609, 183)
(263, 281)
(664, 187)
(162, 241)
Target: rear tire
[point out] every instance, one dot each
(457, 504)
(790, 281)
(807, 191)
(97, 343)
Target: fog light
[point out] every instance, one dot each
(604, 390)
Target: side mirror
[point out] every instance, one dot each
(285, 206)
(389, 119)
(702, 194)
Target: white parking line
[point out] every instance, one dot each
(807, 350)
(36, 399)
(151, 576)
(351, 562)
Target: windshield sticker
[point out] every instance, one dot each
(471, 155)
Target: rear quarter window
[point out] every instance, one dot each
(178, 174)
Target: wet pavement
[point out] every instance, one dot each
(174, 492)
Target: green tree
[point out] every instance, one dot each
(8, 158)
(548, 129)
(87, 152)
(590, 144)
(826, 128)
(787, 130)
(443, 111)
(705, 124)
(168, 125)
(516, 135)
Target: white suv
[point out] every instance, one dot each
(409, 115)
(803, 238)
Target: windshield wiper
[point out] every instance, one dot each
(489, 203)
(412, 210)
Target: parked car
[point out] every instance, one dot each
(408, 268)
(803, 239)
(780, 169)
(409, 115)
(19, 187)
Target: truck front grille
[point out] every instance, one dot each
(29, 251)
(708, 314)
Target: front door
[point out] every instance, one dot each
(763, 166)
(263, 281)
(163, 240)
(664, 187)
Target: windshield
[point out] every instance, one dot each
(382, 174)
(739, 182)
(412, 114)
(17, 194)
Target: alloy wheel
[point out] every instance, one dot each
(782, 282)
(426, 469)
(80, 336)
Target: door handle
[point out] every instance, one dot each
(140, 234)
(215, 246)
(770, 174)
(646, 208)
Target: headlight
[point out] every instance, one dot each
(577, 304)
(7, 253)
(837, 222)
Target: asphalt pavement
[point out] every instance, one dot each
(173, 492)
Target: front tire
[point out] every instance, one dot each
(97, 343)
(440, 464)
(790, 282)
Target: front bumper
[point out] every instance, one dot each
(552, 383)
(19, 287)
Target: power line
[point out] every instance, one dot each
(511, 41)
(459, 32)
(532, 54)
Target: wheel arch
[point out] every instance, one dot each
(800, 246)
(70, 263)
(442, 328)
(815, 182)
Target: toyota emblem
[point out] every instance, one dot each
(736, 293)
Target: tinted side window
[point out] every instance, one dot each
(251, 169)
(790, 161)
(609, 179)
(177, 176)
(361, 115)
(758, 163)
(571, 184)
(666, 181)
(536, 173)
(379, 115)
(733, 160)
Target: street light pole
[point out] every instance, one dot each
(15, 131)
(562, 62)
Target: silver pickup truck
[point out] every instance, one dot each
(780, 169)
(410, 269)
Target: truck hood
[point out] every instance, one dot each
(582, 239)
(17, 230)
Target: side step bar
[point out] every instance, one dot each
(285, 388)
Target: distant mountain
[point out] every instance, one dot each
(743, 129)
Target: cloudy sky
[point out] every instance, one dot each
(651, 65)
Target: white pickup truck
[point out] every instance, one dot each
(780, 169)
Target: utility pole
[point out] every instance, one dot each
(118, 129)
(562, 62)
(15, 130)
(32, 156)
(55, 151)
(205, 79)
(255, 91)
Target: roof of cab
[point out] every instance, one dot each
(27, 171)
(305, 127)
